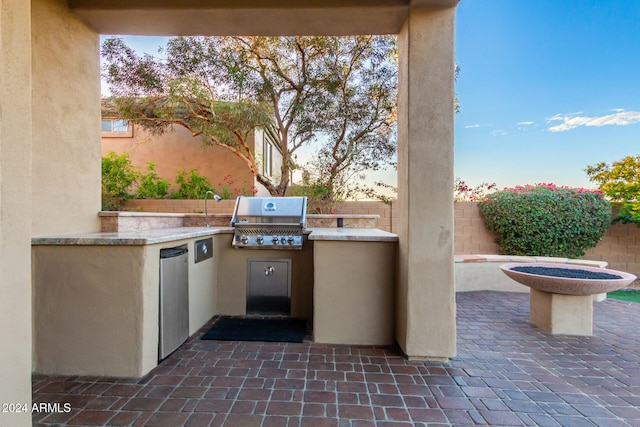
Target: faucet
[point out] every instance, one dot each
(206, 213)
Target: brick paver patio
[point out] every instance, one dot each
(507, 372)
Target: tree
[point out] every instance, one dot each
(464, 193)
(620, 181)
(339, 92)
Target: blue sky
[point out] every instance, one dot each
(546, 88)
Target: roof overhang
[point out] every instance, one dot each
(248, 17)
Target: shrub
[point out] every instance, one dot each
(191, 185)
(118, 175)
(151, 186)
(546, 220)
(227, 189)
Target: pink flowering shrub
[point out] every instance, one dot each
(546, 220)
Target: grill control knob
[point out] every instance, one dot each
(274, 239)
(244, 239)
(283, 240)
(290, 240)
(259, 240)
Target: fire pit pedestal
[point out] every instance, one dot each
(561, 314)
(561, 299)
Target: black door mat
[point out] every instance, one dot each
(284, 329)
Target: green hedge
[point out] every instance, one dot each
(546, 220)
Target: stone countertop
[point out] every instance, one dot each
(131, 237)
(105, 214)
(162, 235)
(352, 234)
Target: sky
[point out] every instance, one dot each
(546, 88)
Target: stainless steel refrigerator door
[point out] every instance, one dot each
(174, 301)
(269, 286)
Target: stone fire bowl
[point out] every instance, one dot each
(565, 285)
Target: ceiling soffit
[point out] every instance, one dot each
(248, 17)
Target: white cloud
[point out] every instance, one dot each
(524, 123)
(558, 117)
(571, 121)
(472, 126)
(499, 132)
(555, 118)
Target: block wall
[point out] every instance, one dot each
(470, 236)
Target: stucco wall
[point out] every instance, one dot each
(66, 127)
(15, 205)
(86, 301)
(178, 150)
(354, 292)
(49, 148)
(96, 307)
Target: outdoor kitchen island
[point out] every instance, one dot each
(96, 295)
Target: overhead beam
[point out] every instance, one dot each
(248, 17)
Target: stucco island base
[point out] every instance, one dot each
(561, 314)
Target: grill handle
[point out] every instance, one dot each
(240, 224)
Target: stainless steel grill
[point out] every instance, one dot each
(269, 222)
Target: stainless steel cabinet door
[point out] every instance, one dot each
(174, 301)
(269, 286)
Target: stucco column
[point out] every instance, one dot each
(66, 121)
(425, 326)
(15, 209)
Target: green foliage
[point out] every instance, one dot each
(545, 220)
(191, 185)
(150, 185)
(118, 175)
(121, 180)
(620, 181)
(627, 213)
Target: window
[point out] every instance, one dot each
(267, 148)
(115, 127)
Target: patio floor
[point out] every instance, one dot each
(507, 372)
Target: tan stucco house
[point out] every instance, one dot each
(50, 141)
(178, 150)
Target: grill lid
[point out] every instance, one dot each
(270, 210)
